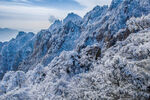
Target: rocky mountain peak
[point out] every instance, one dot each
(55, 25)
(72, 17)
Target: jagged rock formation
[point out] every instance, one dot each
(54, 41)
(15, 51)
(73, 18)
(112, 20)
(104, 55)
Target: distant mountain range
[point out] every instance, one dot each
(7, 33)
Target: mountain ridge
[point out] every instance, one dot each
(104, 55)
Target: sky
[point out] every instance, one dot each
(34, 15)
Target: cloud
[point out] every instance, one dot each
(28, 18)
(19, 0)
(52, 19)
(60, 4)
(89, 4)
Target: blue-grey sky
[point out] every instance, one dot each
(33, 15)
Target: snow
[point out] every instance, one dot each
(117, 74)
(72, 17)
(10, 52)
(50, 43)
(137, 24)
(115, 3)
(57, 24)
(94, 15)
(105, 55)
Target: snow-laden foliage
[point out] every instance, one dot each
(12, 81)
(137, 24)
(133, 25)
(121, 72)
(112, 20)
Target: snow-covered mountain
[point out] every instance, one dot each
(104, 55)
(51, 42)
(73, 18)
(12, 53)
(112, 20)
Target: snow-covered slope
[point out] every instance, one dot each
(1, 45)
(121, 72)
(104, 55)
(57, 24)
(14, 51)
(50, 43)
(98, 26)
(111, 21)
(72, 17)
(94, 15)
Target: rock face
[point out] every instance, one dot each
(50, 43)
(57, 24)
(12, 54)
(112, 20)
(104, 55)
(73, 18)
(94, 15)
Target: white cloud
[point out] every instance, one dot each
(91, 3)
(52, 18)
(28, 18)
